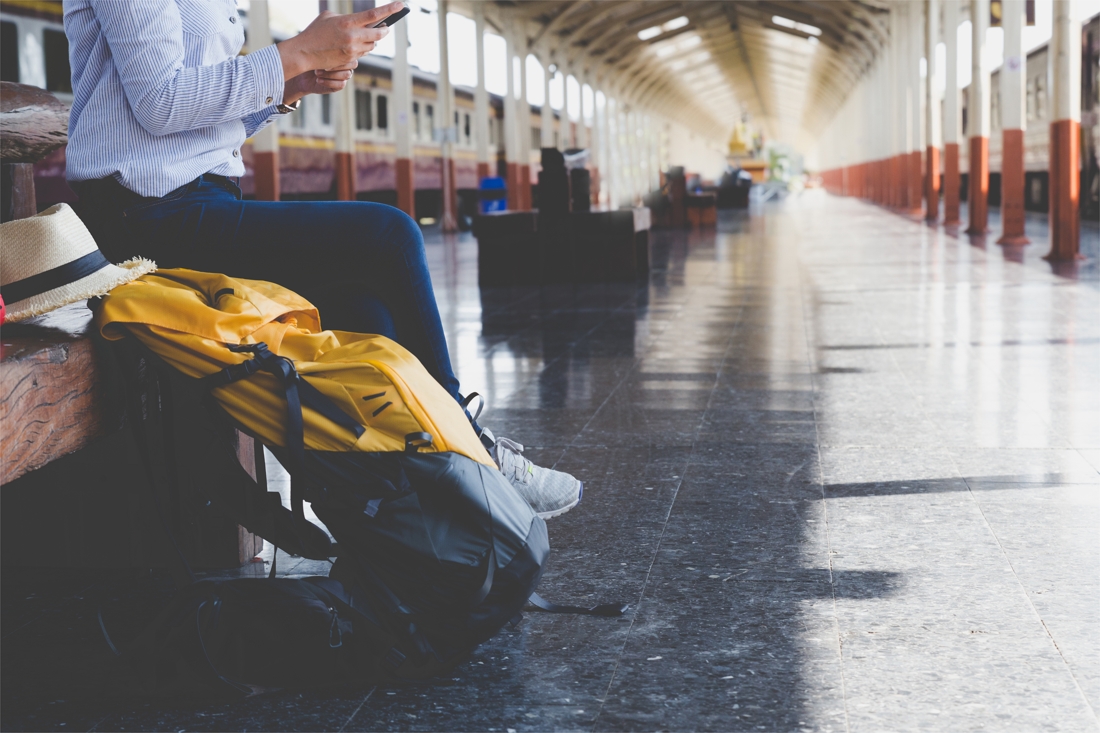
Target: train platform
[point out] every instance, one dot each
(844, 466)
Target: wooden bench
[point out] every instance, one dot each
(702, 210)
(73, 492)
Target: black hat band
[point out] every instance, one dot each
(60, 276)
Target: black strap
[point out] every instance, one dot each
(298, 392)
(70, 272)
(538, 603)
(480, 405)
(415, 441)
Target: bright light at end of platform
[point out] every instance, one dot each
(804, 27)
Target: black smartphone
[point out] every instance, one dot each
(391, 19)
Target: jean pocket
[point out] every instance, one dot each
(146, 206)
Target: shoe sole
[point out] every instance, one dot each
(564, 509)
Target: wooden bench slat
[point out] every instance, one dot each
(51, 401)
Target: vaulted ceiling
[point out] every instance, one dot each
(788, 64)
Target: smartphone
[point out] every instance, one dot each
(391, 19)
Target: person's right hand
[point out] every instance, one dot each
(334, 41)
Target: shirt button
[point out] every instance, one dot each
(232, 19)
(236, 153)
(269, 100)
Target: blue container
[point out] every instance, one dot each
(492, 195)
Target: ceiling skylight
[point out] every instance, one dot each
(813, 30)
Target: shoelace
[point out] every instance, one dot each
(507, 454)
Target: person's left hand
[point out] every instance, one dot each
(319, 81)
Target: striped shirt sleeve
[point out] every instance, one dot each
(146, 42)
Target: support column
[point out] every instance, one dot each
(547, 112)
(447, 129)
(402, 107)
(265, 144)
(951, 176)
(899, 110)
(582, 124)
(524, 127)
(511, 175)
(977, 107)
(916, 96)
(595, 148)
(1013, 123)
(344, 107)
(1065, 134)
(932, 115)
(481, 98)
(566, 115)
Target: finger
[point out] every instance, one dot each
(345, 67)
(335, 75)
(375, 15)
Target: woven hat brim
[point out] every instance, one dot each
(98, 283)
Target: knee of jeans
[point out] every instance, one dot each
(405, 235)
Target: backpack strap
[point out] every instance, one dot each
(538, 603)
(298, 392)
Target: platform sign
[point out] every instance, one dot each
(996, 12)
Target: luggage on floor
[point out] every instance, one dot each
(435, 549)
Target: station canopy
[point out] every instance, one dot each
(787, 65)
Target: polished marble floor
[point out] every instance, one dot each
(844, 466)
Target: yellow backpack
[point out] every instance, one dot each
(209, 325)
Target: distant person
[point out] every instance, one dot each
(162, 104)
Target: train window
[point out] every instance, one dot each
(429, 112)
(1040, 97)
(9, 52)
(416, 120)
(326, 109)
(58, 75)
(466, 128)
(536, 138)
(298, 119)
(363, 116)
(1031, 99)
(383, 113)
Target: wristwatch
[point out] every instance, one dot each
(285, 109)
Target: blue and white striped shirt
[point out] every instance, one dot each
(160, 95)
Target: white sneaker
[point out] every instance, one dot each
(549, 492)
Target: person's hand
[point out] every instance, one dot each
(318, 81)
(334, 41)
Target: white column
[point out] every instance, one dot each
(951, 122)
(594, 141)
(509, 96)
(932, 123)
(1065, 62)
(1014, 69)
(259, 36)
(344, 112)
(547, 110)
(402, 117)
(977, 108)
(566, 115)
(524, 117)
(448, 131)
(481, 96)
(582, 126)
(916, 93)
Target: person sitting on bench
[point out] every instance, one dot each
(162, 104)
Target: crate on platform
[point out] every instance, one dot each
(508, 248)
(702, 209)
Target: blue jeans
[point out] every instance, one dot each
(362, 264)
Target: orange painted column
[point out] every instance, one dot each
(932, 184)
(916, 182)
(482, 171)
(406, 193)
(1012, 188)
(951, 184)
(524, 174)
(265, 175)
(345, 176)
(1065, 190)
(511, 182)
(1065, 134)
(977, 192)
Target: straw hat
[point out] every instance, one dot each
(51, 260)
